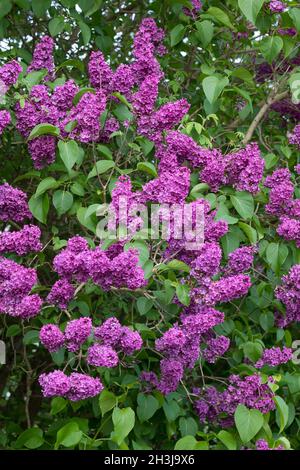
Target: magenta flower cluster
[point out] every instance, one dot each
(13, 204)
(289, 294)
(16, 283)
(109, 341)
(219, 406)
(74, 387)
(21, 242)
(274, 356)
(79, 263)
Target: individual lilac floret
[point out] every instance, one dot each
(274, 357)
(51, 337)
(77, 332)
(43, 57)
(83, 386)
(9, 73)
(61, 293)
(130, 341)
(102, 356)
(109, 332)
(13, 204)
(22, 242)
(5, 120)
(54, 384)
(276, 6)
(216, 347)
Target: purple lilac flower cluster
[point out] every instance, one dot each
(283, 205)
(274, 356)
(295, 136)
(5, 120)
(219, 406)
(289, 294)
(21, 242)
(196, 7)
(13, 204)
(10, 72)
(110, 340)
(16, 283)
(74, 387)
(276, 6)
(262, 444)
(79, 263)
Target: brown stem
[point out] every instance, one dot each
(260, 115)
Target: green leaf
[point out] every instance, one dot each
(188, 427)
(205, 31)
(249, 231)
(276, 255)
(58, 404)
(101, 167)
(213, 87)
(270, 47)
(68, 436)
(186, 443)
(31, 337)
(70, 153)
(106, 151)
(73, 63)
(244, 204)
(183, 294)
(123, 421)
(295, 15)
(178, 265)
(43, 129)
(13, 330)
(40, 7)
(5, 7)
(62, 201)
(85, 32)
(33, 78)
(39, 207)
(147, 168)
(177, 34)
(283, 412)
(220, 16)
(56, 25)
(107, 401)
(227, 439)
(248, 422)
(251, 8)
(172, 410)
(252, 350)
(45, 184)
(144, 305)
(77, 189)
(147, 406)
(32, 438)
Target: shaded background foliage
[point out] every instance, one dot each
(252, 71)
